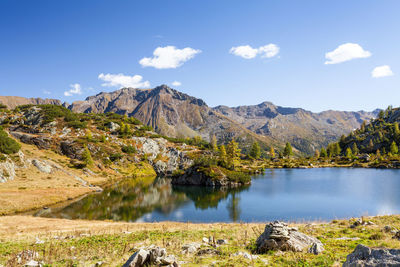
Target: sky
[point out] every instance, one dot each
(318, 55)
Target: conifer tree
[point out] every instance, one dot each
(214, 145)
(87, 157)
(337, 149)
(394, 148)
(233, 154)
(287, 152)
(323, 153)
(354, 148)
(222, 155)
(272, 152)
(255, 151)
(349, 153)
(316, 154)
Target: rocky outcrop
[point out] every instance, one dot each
(279, 236)
(42, 166)
(165, 159)
(154, 256)
(8, 167)
(370, 257)
(41, 141)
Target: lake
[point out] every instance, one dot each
(279, 194)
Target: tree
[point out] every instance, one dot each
(272, 152)
(316, 154)
(337, 149)
(396, 129)
(349, 153)
(87, 157)
(287, 152)
(7, 144)
(393, 148)
(370, 144)
(255, 151)
(323, 153)
(354, 148)
(213, 142)
(381, 114)
(363, 126)
(222, 154)
(103, 138)
(233, 153)
(89, 135)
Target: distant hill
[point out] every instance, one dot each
(14, 101)
(177, 114)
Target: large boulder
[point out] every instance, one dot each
(363, 256)
(279, 236)
(151, 256)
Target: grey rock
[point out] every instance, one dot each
(42, 166)
(208, 251)
(245, 255)
(113, 126)
(279, 236)
(190, 248)
(138, 259)
(363, 256)
(397, 235)
(41, 141)
(316, 248)
(222, 242)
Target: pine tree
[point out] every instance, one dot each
(337, 149)
(349, 153)
(255, 151)
(396, 130)
(355, 149)
(87, 157)
(323, 153)
(316, 154)
(214, 145)
(370, 144)
(272, 152)
(378, 153)
(103, 138)
(233, 153)
(222, 155)
(363, 126)
(89, 136)
(287, 152)
(393, 148)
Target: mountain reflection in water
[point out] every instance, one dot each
(131, 199)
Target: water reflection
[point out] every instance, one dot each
(297, 194)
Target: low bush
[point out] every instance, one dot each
(128, 149)
(7, 144)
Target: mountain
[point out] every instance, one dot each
(171, 113)
(14, 101)
(306, 130)
(176, 114)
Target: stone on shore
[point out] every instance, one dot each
(365, 256)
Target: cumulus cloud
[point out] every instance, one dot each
(176, 83)
(75, 90)
(248, 52)
(382, 71)
(346, 52)
(121, 80)
(169, 57)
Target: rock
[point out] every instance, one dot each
(359, 222)
(397, 235)
(138, 259)
(348, 238)
(65, 131)
(153, 255)
(208, 251)
(222, 242)
(365, 256)
(205, 240)
(32, 263)
(245, 255)
(41, 141)
(316, 248)
(39, 241)
(279, 236)
(387, 228)
(190, 248)
(42, 166)
(113, 126)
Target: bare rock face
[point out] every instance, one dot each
(42, 166)
(279, 236)
(14, 101)
(363, 256)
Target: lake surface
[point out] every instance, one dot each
(284, 194)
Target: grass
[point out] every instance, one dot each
(82, 243)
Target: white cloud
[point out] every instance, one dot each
(176, 83)
(121, 80)
(346, 52)
(46, 92)
(269, 50)
(248, 52)
(75, 90)
(169, 57)
(244, 51)
(382, 71)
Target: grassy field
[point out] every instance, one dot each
(83, 243)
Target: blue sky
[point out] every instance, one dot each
(58, 49)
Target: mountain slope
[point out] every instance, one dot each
(14, 101)
(171, 113)
(306, 130)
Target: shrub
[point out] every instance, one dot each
(77, 124)
(146, 128)
(7, 144)
(128, 149)
(116, 156)
(241, 177)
